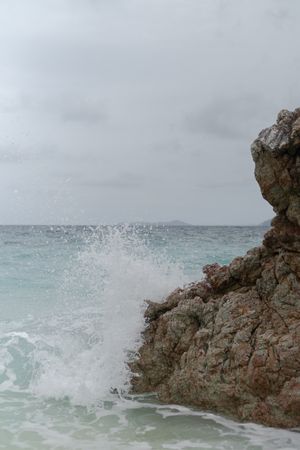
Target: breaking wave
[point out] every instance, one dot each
(82, 350)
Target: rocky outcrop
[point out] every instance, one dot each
(231, 342)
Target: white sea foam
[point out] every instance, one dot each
(89, 347)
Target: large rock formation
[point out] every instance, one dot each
(231, 343)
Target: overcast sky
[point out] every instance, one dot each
(131, 110)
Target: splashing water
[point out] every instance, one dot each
(89, 354)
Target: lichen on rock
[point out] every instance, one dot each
(231, 342)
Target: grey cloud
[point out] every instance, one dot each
(279, 14)
(10, 154)
(9, 104)
(122, 181)
(225, 117)
(68, 106)
(171, 148)
(244, 183)
(85, 111)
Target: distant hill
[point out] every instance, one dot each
(174, 223)
(170, 223)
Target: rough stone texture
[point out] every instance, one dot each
(231, 342)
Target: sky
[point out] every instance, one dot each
(140, 110)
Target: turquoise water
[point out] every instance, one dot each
(71, 316)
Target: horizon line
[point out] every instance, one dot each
(158, 223)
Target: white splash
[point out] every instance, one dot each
(101, 330)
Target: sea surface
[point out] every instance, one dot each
(72, 302)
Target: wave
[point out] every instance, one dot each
(82, 350)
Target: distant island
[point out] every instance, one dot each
(173, 223)
(170, 223)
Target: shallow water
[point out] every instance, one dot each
(71, 315)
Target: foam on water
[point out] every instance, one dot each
(82, 351)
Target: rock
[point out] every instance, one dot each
(231, 342)
(277, 164)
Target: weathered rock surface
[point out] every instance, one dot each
(231, 342)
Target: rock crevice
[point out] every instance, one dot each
(231, 342)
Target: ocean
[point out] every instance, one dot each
(72, 303)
